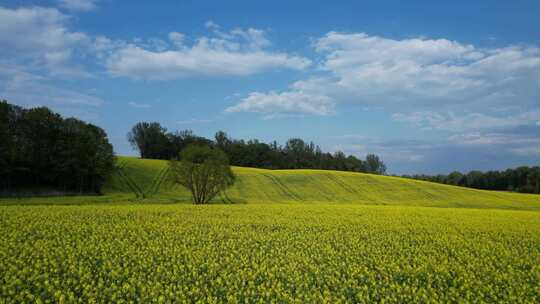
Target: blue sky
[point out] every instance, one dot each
(430, 87)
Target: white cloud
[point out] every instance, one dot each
(428, 72)
(494, 138)
(256, 38)
(37, 29)
(466, 121)
(25, 88)
(176, 38)
(139, 105)
(436, 76)
(514, 143)
(41, 40)
(236, 53)
(37, 47)
(78, 5)
(44, 42)
(211, 25)
(273, 103)
(103, 47)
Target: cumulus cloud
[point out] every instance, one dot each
(444, 78)
(429, 72)
(466, 121)
(43, 48)
(273, 103)
(37, 48)
(513, 141)
(44, 41)
(40, 40)
(177, 38)
(236, 53)
(37, 29)
(78, 5)
(29, 89)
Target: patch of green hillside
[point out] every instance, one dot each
(148, 179)
(142, 177)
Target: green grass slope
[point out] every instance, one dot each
(148, 179)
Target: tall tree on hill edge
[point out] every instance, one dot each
(150, 139)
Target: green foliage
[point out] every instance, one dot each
(150, 139)
(280, 253)
(374, 164)
(153, 141)
(39, 148)
(204, 171)
(6, 145)
(522, 179)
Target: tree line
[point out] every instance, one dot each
(522, 179)
(154, 141)
(41, 150)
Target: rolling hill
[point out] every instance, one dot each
(147, 179)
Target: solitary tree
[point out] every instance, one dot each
(204, 171)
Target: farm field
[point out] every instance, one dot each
(304, 253)
(146, 181)
(304, 236)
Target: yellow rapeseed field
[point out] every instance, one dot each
(251, 253)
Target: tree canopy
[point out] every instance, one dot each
(204, 171)
(150, 139)
(40, 149)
